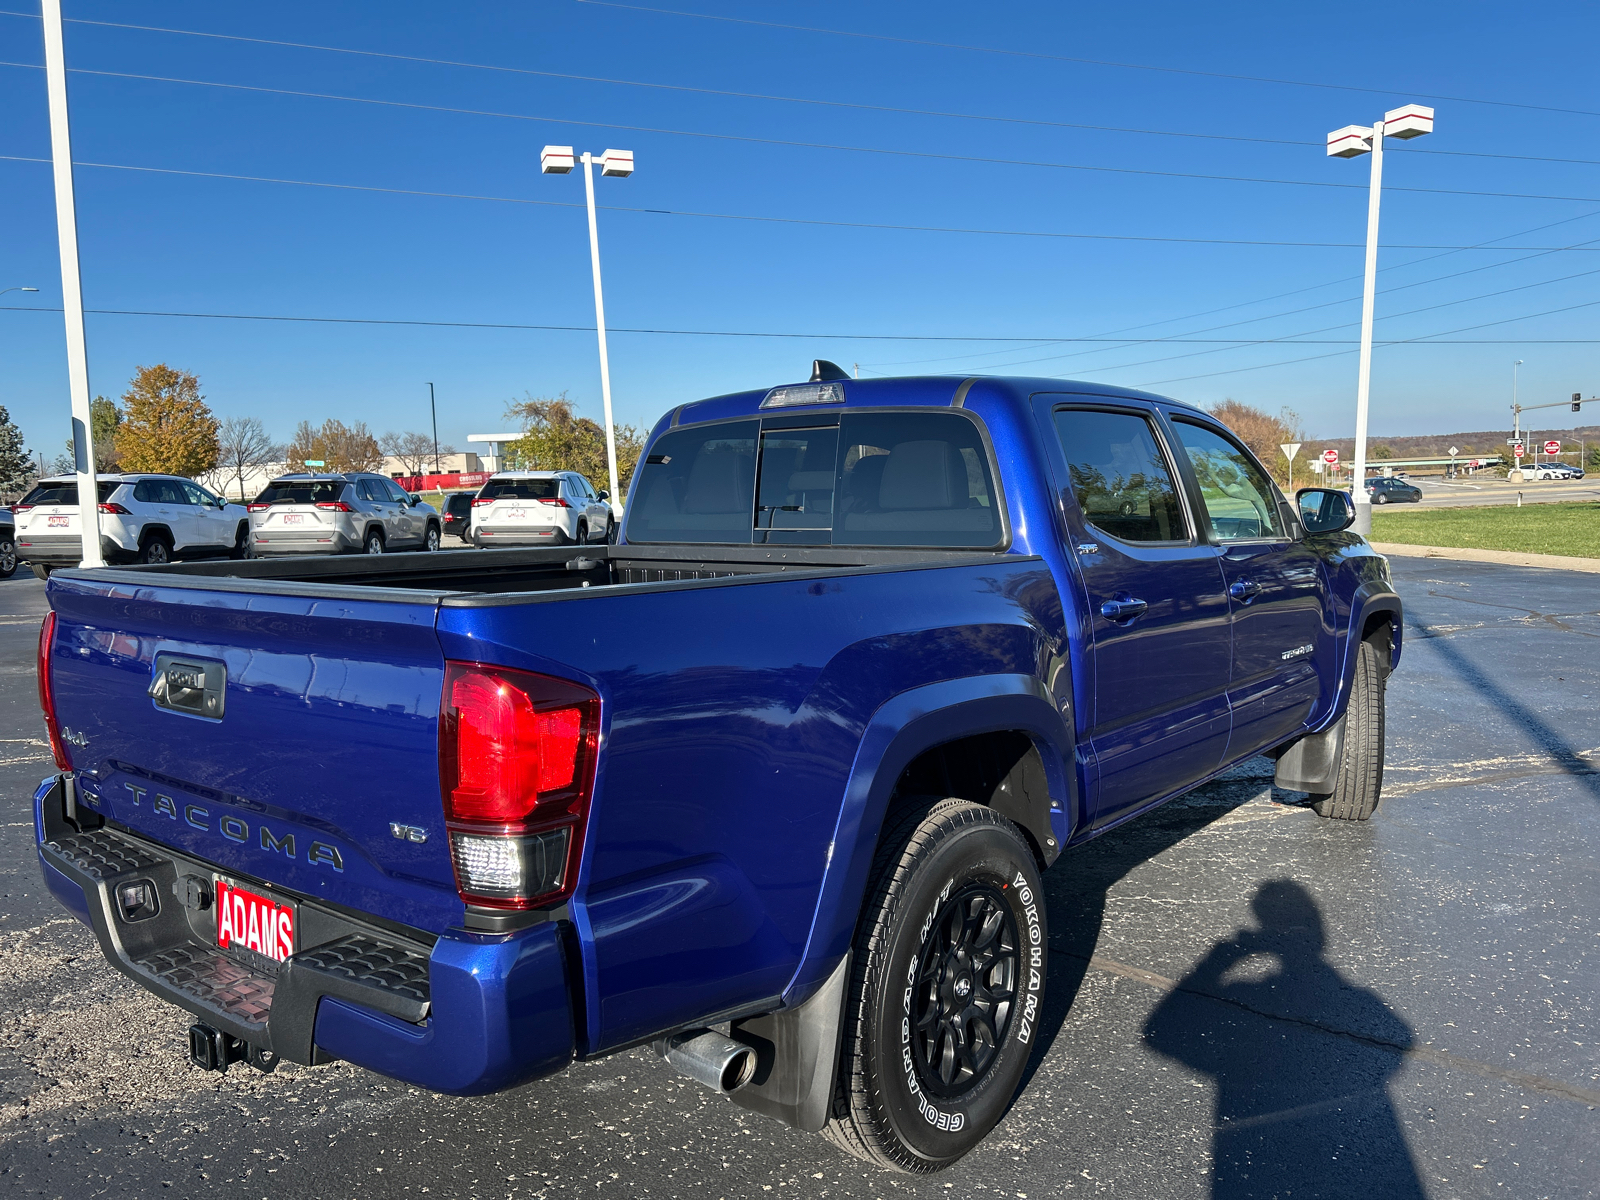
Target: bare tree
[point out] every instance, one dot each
(245, 446)
(414, 450)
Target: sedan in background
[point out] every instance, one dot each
(1393, 491)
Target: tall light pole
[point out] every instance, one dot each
(433, 410)
(1409, 121)
(3, 291)
(55, 70)
(1516, 418)
(559, 160)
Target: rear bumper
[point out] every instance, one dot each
(470, 1014)
(66, 550)
(321, 541)
(521, 535)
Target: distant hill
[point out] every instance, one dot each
(1473, 443)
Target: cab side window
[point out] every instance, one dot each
(1119, 475)
(1239, 498)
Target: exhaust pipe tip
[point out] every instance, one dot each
(709, 1058)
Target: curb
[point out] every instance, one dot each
(1508, 557)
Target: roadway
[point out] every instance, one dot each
(1244, 1000)
(1469, 493)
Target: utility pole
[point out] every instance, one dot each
(55, 69)
(434, 410)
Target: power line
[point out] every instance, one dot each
(802, 145)
(1094, 62)
(1024, 233)
(813, 101)
(730, 333)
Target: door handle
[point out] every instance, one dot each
(1123, 608)
(1244, 589)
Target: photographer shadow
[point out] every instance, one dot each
(1301, 1109)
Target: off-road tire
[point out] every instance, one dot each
(886, 1109)
(1359, 783)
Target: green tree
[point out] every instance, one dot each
(1382, 451)
(166, 424)
(16, 465)
(105, 418)
(1262, 432)
(1592, 465)
(555, 438)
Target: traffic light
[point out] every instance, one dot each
(1577, 401)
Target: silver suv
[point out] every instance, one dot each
(352, 512)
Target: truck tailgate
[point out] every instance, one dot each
(324, 743)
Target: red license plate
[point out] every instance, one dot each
(249, 920)
(57, 522)
(294, 518)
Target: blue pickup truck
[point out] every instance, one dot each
(769, 783)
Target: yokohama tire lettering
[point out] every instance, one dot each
(1030, 1002)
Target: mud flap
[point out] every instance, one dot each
(1312, 763)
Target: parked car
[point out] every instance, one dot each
(769, 784)
(539, 508)
(8, 543)
(144, 518)
(457, 514)
(352, 512)
(1553, 470)
(1393, 491)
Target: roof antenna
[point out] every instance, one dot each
(823, 371)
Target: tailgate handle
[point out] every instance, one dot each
(194, 687)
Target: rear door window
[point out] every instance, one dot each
(1119, 476)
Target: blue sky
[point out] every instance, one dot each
(193, 243)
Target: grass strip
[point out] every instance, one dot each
(1570, 529)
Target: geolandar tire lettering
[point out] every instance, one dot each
(947, 989)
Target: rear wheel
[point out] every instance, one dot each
(156, 549)
(583, 533)
(241, 542)
(945, 992)
(374, 542)
(1380, 498)
(1357, 786)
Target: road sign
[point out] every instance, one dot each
(1517, 449)
(315, 462)
(1330, 457)
(1290, 449)
(1552, 447)
(1316, 465)
(1453, 452)
(1473, 464)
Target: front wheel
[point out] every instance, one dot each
(946, 989)
(611, 531)
(1358, 784)
(431, 540)
(8, 557)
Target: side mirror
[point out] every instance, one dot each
(415, 499)
(1324, 510)
(602, 495)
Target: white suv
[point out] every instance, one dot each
(143, 518)
(539, 508)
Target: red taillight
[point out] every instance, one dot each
(557, 501)
(16, 508)
(516, 764)
(115, 510)
(257, 507)
(481, 503)
(335, 506)
(47, 692)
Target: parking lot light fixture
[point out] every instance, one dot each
(1407, 121)
(3, 291)
(559, 160)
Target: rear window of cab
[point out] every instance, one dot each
(912, 479)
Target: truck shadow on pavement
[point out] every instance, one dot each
(1299, 1056)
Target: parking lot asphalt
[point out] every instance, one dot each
(1244, 1000)
(1475, 493)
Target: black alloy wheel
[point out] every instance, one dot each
(966, 989)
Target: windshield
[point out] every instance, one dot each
(520, 489)
(301, 491)
(63, 494)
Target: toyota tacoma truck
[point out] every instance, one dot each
(768, 784)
